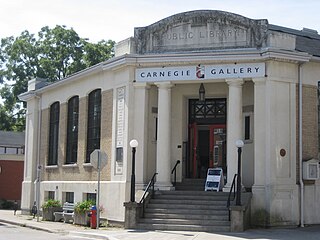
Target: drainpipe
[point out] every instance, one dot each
(300, 147)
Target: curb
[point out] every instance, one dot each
(28, 226)
(63, 232)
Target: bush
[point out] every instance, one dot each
(84, 206)
(51, 203)
(5, 204)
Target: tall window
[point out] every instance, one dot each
(72, 130)
(94, 122)
(53, 133)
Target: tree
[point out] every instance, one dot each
(53, 54)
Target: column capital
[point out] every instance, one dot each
(235, 81)
(143, 85)
(259, 80)
(164, 85)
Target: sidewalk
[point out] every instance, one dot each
(6, 216)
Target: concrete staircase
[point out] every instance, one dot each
(187, 210)
(190, 184)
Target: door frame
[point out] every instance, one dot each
(192, 165)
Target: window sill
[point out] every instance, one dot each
(87, 165)
(70, 165)
(51, 167)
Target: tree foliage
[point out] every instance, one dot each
(53, 54)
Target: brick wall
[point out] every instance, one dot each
(11, 177)
(79, 172)
(309, 124)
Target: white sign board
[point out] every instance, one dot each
(214, 181)
(201, 72)
(120, 116)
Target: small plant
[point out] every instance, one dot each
(51, 203)
(82, 207)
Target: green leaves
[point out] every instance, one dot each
(51, 203)
(53, 54)
(84, 206)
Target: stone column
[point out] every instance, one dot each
(234, 127)
(261, 147)
(28, 195)
(141, 130)
(259, 131)
(164, 137)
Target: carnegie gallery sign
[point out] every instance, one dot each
(200, 72)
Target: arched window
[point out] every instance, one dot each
(53, 133)
(72, 130)
(94, 122)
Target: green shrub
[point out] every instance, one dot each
(84, 206)
(51, 203)
(5, 204)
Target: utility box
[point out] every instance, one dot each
(311, 170)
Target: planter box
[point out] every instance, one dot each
(47, 214)
(82, 219)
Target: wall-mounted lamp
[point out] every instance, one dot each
(202, 93)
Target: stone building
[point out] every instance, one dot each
(258, 82)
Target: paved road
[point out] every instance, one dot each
(63, 231)
(11, 232)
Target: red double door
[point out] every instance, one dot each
(207, 149)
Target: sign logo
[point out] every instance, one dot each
(200, 71)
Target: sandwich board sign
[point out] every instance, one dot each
(214, 181)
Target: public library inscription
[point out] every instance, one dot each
(201, 30)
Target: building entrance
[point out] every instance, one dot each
(207, 137)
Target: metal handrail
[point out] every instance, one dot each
(150, 184)
(233, 186)
(174, 170)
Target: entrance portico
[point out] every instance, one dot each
(165, 133)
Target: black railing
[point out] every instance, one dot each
(233, 187)
(144, 196)
(174, 170)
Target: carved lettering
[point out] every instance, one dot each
(226, 35)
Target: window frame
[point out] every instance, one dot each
(93, 122)
(72, 130)
(54, 122)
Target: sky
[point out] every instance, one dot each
(115, 19)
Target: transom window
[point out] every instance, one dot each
(72, 130)
(210, 111)
(53, 134)
(94, 122)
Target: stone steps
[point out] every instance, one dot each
(187, 210)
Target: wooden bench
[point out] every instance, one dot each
(67, 213)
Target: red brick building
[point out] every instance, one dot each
(11, 165)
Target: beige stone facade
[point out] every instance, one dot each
(250, 70)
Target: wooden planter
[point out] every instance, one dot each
(47, 213)
(82, 218)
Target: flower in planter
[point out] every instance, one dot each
(82, 207)
(51, 203)
(49, 207)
